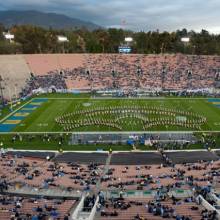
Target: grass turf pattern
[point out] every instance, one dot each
(42, 119)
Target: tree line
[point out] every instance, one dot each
(31, 39)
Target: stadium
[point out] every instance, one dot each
(97, 124)
(127, 131)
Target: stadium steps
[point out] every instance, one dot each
(105, 170)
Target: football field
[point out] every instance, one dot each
(66, 114)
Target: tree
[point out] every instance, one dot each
(32, 39)
(1, 32)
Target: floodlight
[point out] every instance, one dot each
(62, 39)
(128, 39)
(8, 36)
(185, 39)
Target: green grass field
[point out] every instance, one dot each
(77, 113)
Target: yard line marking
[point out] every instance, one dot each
(10, 114)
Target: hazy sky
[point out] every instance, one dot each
(139, 14)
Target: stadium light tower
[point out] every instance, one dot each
(9, 36)
(128, 39)
(62, 39)
(185, 41)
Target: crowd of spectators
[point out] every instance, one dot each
(39, 173)
(167, 175)
(44, 174)
(52, 80)
(144, 209)
(26, 208)
(128, 72)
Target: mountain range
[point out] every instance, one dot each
(45, 20)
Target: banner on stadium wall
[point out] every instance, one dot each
(107, 92)
(49, 90)
(209, 90)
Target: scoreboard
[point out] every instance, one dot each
(124, 49)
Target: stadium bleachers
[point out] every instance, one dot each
(15, 73)
(109, 71)
(14, 207)
(84, 158)
(136, 159)
(19, 171)
(191, 157)
(137, 209)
